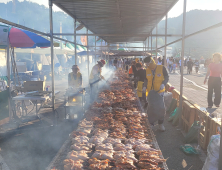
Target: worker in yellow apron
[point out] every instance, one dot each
(137, 60)
(75, 77)
(156, 79)
(95, 77)
(141, 77)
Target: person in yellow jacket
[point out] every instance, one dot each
(75, 77)
(95, 77)
(156, 79)
(137, 60)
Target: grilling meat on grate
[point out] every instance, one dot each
(103, 155)
(69, 164)
(104, 147)
(76, 155)
(116, 117)
(79, 146)
(125, 163)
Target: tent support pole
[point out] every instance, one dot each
(220, 153)
(165, 49)
(156, 41)
(95, 49)
(108, 60)
(87, 51)
(105, 52)
(52, 61)
(143, 47)
(148, 44)
(146, 48)
(9, 79)
(75, 41)
(101, 49)
(151, 44)
(182, 59)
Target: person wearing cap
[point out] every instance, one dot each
(75, 77)
(156, 79)
(95, 75)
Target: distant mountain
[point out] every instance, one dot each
(204, 44)
(36, 16)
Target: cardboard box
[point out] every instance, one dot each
(34, 86)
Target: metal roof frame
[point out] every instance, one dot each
(117, 16)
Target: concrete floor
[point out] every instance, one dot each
(33, 147)
(169, 143)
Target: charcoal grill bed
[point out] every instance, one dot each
(57, 161)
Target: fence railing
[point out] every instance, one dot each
(192, 112)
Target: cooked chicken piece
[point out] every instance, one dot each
(98, 164)
(149, 166)
(93, 161)
(96, 140)
(72, 165)
(84, 130)
(75, 134)
(154, 159)
(125, 163)
(134, 141)
(75, 155)
(101, 133)
(80, 139)
(112, 141)
(125, 154)
(85, 123)
(104, 147)
(103, 155)
(68, 164)
(79, 147)
(117, 135)
(149, 152)
(144, 147)
(119, 147)
(128, 147)
(130, 155)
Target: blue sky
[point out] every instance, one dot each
(175, 11)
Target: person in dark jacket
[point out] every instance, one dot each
(134, 72)
(115, 62)
(127, 63)
(189, 66)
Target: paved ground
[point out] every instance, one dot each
(194, 89)
(171, 140)
(169, 143)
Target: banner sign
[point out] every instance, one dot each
(3, 35)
